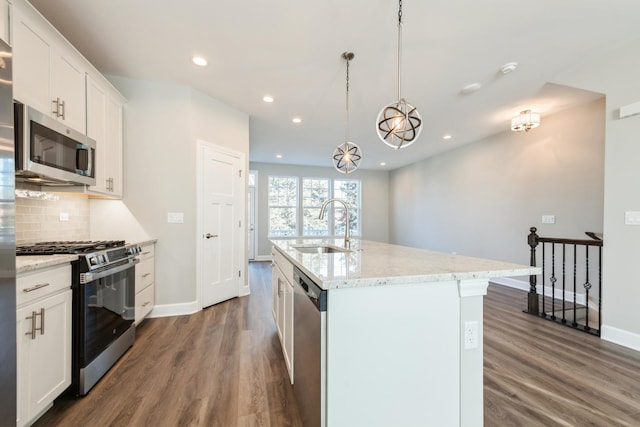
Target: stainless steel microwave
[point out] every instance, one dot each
(50, 153)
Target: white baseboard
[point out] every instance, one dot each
(523, 285)
(180, 309)
(621, 337)
(262, 258)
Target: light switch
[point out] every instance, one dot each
(548, 219)
(632, 217)
(175, 217)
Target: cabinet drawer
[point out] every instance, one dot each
(147, 252)
(144, 303)
(285, 265)
(33, 285)
(144, 274)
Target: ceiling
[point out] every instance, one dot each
(292, 51)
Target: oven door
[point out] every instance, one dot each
(106, 310)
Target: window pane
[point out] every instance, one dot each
(349, 190)
(283, 206)
(314, 192)
(282, 221)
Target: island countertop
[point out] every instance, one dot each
(372, 263)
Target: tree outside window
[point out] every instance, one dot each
(348, 190)
(314, 192)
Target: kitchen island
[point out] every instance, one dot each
(402, 335)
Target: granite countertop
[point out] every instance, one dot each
(26, 263)
(378, 264)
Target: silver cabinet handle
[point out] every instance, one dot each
(33, 325)
(146, 303)
(36, 287)
(63, 110)
(209, 235)
(147, 274)
(56, 103)
(41, 314)
(145, 253)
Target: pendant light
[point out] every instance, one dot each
(347, 156)
(399, 124)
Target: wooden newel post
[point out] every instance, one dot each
(533, 294)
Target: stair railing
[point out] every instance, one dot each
(577, 310)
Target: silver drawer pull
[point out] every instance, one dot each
(145, 253)
(36, 287)
(146, 303)
(145, 275)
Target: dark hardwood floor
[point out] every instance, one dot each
(223, 367)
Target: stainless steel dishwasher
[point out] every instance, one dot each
(309, 344)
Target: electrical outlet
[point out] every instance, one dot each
(548, 219)
(64, 216)
(470, 335)
(175, 217)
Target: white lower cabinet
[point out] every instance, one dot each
(145, 283)
(43, 341)
(282, 279)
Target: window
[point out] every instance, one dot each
(314, 192)
(293, 207)
(348, 190)
(283, 206)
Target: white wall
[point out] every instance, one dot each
(481, 199)
(162, 122)
(618, 76)
(375, 199)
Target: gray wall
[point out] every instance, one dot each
(617, 76)
(480, 200)
(162, 123)
(375, 199)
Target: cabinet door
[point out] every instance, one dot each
(32, 63)
(288, 328)
(44, 360)
(274, 291)
(96, 129)
(68, 85)
(5, 17)
(114, 145)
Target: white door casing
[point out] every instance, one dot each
(221, 230)
(252, 223)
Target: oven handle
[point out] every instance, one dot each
(90, 277)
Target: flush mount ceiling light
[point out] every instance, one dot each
(347, 156)
(525, 121)
(199, 60)
(296, 120)
(399, 124)
(268, 99)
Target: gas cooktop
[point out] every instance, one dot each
(71, 247)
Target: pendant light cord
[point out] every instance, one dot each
(399, 50)
(347, 127)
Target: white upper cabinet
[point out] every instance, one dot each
(5, 17)
(104, 125)
(49, 75)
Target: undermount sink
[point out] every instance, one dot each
(320, 248)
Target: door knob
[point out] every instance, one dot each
(209, 235)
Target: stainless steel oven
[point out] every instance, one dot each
(104, 311)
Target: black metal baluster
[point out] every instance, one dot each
(564, 261)
(599, 289)
(544, 281)
(575, 282)
(553, 281)
(532, 297)
(587, 286)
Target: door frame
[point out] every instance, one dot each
(243, 288)
(254, 243)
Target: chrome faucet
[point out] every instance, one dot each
(347, 238)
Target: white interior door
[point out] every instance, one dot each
(222, 231)
(251, 232)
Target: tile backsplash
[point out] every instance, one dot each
(39, 220)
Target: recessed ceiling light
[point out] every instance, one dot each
(447, 136)
(296, 120)
(278, 156)
(508, 67)
(470, 88)
(267, 98)
(383, 164)
(199, 60)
